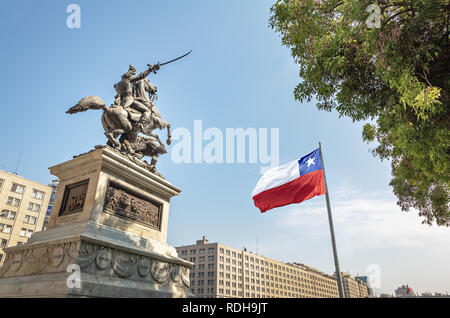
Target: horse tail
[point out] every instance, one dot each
(88, 102)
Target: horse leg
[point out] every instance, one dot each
(152, 166)
(169, 136)
(111, 140)
(112, 135)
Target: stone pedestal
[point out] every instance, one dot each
(106, 236)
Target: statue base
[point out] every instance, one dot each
(106, 236)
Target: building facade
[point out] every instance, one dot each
(365, 279)
(23, 205)
(363, 291)
(353, 288)
(404, 291)
(223, 271)
(54, 185)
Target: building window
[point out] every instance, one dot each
(8, 214)
(37, 194)
(5, 228)
(1, 183)
(3, 243)
(25, 233)
(30, 219)
(13, 201)
(1, 257)
(17, 188)
(34, 207)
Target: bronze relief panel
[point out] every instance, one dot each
(74, 198)
(128, 204)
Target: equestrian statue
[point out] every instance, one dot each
(129, 123)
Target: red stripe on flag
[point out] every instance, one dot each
(296, 191)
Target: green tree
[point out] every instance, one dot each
(387, 63)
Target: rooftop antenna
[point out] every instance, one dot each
(17, 166)
(257, 251)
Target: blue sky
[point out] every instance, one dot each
(238, 75)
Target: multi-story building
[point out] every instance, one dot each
(223, 271)
(363, 291)
(352, 286)
(404, 291)
(365, 279)
(23, 204)
(54, 186)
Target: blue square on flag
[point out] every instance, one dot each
(310, 162)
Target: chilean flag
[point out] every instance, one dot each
(293, 182)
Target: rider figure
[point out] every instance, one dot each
(124, 90)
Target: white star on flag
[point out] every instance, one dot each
(310, 162)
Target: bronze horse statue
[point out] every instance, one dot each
(116, 120)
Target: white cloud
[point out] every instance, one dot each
(370, 229)
(365, 221)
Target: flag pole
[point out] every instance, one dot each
(330, 220)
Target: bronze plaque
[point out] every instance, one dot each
(128, 204)
(74, 197)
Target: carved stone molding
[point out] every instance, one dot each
(184, 274)
(94, 259)
(124, 264)
(32, 261)
(160, 271)
(103, 258)
(144, 266)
